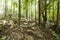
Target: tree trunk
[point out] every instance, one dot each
(26, 12)
(39, 7)
(35, 13)
(19, 15)
(5, 8)
(57, 12)
(45, 16)
(53, 10)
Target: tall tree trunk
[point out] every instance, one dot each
(57, 12)
(39, 7)
(11, 9)
(31, 11)
(26, 7)
(35, 12)
(26, 12)
(19, 15)
(53, 10)
(5, 8)
(45, 16)
(45, 10)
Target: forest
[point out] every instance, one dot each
(29, 19)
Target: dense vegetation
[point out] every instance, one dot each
(29, 19)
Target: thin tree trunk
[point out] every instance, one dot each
(35, 12)
(5, 8)
(26, 13)
(31, 11)
(11, 9)
(19, 15)
(45, 10)
(26, 7)
(57, 12)
(53, 10)
(45, 16)
(39, 7)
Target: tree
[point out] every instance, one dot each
(19, 15)
(5, 7)
(39, 7)
(57, 12)
(45, 13)
(53, 10)
(26, 7)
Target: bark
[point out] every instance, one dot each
(57, 12)
(19, 15)
(5, 8)
(39, 7)
(53, 10)
(45, 14)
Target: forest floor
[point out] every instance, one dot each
(28, 31)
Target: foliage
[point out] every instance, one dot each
(30, 9)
